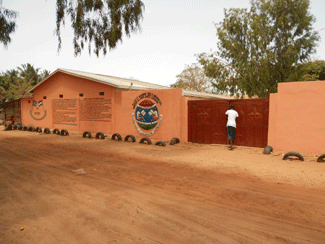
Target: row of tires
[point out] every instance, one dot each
(269, 149)
(87, 134)
(118, 137)
(38, 129)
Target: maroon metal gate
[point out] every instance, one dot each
(207, 121)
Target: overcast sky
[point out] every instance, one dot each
(173, 31)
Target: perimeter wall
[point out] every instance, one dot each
(297, 118)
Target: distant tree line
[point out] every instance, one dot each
(15, 83)
(194, 78)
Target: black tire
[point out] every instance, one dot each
(56, 131)
(119, 138)
(25, 128)
(289, 154)
(268, 150)
(64, 132)
(38, 129)
(47, 131)
(21, 127)
(174, 141)
(31, 128)
(86, 134)
(160, 143)
(8, 127)
(14, 127)
(130, 136)
(321, 159)
(100, 135)
(146, 139)
(18, 127)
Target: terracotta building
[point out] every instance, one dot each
(82, 101)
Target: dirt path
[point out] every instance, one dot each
(135, 193)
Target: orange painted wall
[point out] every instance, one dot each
(296, 121)
(70, 87)
(173, 108)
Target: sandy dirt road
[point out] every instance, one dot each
(136, 193)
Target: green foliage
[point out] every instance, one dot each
(16, 83)
(261, 47)
(98, 22)
(193, 78)
(311, 70)
(7, 24)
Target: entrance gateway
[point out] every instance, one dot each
(207, 121)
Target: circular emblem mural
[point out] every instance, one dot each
(147, 115)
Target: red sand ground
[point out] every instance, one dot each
(136, 193)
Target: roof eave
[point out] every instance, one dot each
(201, 95)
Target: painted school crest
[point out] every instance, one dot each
(38, 112)
(146, 117)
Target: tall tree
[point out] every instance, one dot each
(261, 47)
(30, 74)
(6, 80)
(7, 24)
(45, 73)
(193, 78)
(98, 22)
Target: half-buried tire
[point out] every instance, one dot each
(145, 139)
(47, 131)
(56, 131)
(31, 128)
(294, 154)
(38, 129)
(8, 127)
(116, 135)
(160, 143)
(321, 159)
(86, 134)
(64, 132)
(130, 136)
(100, 135)
(174, 141)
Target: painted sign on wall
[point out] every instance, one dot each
(38, 112)
(92, 109)
(146, 117)
(65, 111)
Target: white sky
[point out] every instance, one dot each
(173, 31)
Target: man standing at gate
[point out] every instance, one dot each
(231, 125)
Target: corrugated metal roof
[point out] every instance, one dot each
(128, 84)
(107, 80)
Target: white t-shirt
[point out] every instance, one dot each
(232, 115)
